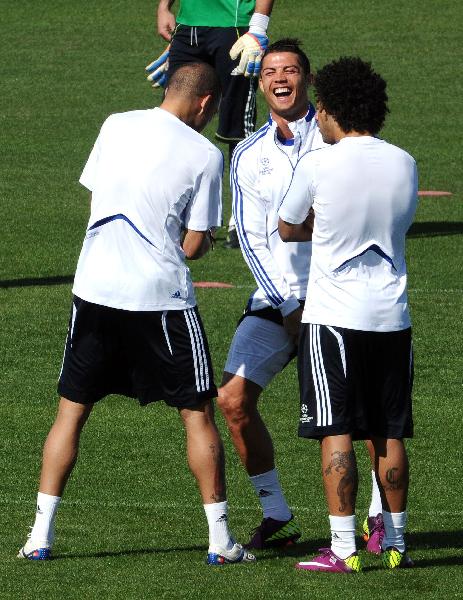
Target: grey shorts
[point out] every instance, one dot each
(260, 349)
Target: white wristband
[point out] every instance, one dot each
(258, 24)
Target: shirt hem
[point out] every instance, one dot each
(136, 307)
(357, 326)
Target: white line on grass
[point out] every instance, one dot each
(412, 290)
(435, 291)
(182, 507)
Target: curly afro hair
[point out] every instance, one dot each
(350, 91)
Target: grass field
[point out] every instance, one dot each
(131, 524)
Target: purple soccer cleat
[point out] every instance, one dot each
(328, 562)
(373, 533)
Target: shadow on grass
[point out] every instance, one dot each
(432, 540)
(436, 540)
(435, 228)
(443, 561)
(131, 552)
(305, 548)
(428, 229)
(36, 281)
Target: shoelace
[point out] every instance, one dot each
(377, 524)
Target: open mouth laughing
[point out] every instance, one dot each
(282, 92)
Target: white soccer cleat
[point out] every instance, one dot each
(237, 554)
(33, 551)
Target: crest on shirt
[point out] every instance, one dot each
(265, 168)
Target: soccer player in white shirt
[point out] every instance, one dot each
(135, 328)
(355, 351)
(261, 171)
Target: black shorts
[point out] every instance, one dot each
(146, 355)
(357, 382)
(237, 112)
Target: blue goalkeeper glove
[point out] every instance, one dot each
(251, 46)
(158, 69)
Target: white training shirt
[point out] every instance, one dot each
(261, 172)
(151, 176)
(364, 194)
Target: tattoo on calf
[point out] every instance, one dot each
(344, 464)
(393, 480)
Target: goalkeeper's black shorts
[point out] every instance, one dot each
(237, 112)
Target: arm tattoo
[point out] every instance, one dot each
(344, 464)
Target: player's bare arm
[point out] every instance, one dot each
(300, 232)
(165, 19)
(292, 324)
(264, 7)
(196, 243)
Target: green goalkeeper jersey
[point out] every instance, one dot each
(216, 13)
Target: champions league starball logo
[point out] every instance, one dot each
(305, 418)
(265, 168)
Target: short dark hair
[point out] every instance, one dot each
(350, 91)
(197, 79)
(290, 45)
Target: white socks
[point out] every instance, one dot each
(343, 535)
(43, 532)
(219, 536)
(271, 496)
(394, 525)
(376, 507)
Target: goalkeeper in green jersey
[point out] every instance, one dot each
(231, 36)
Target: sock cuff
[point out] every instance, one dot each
(268, 476)
(46, 501)
(216, 507)
(395, 519)
(338, 523)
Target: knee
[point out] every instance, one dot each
(199, 416)
(234, 406)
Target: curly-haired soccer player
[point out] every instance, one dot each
(355, 350)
